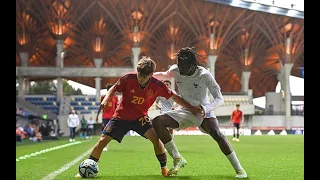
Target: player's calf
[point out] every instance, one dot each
(98, 148)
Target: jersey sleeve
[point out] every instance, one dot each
(164, 91)
(121, 84)
(214, 89)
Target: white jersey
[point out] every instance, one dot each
(194, 89)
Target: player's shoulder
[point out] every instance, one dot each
(156, 82)
(130, 75)
(174, 68)
(204, 73)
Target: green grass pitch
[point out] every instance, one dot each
(263, 157)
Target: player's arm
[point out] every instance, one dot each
(99, 110)
(182, 102)
(118, 87)
(109, 94)
(215, 91)
(164, 75)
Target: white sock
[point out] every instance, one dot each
(172, 149)
(234, 161)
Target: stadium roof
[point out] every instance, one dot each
(243, 39)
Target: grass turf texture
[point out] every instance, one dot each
(263, 157)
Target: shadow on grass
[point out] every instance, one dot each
(157, 177)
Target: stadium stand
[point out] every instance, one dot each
(47, 102)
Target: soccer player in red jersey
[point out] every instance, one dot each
(236, 118)
(108, 111)
(139, 91)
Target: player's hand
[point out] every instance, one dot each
(102, 105)
(202, 112)
(195, 110)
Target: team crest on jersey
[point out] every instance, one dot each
(132, 91)
(149, 93)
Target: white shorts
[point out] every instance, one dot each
(186, 119)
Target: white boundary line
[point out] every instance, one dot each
(66, 166)
(47, 150)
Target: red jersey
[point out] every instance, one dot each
(236, 116)
(109, 110)
(136, 101)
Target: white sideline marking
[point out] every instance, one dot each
(47, 150)
(66, 166)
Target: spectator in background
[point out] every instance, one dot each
(29, 130)
(83, 130)
(90, 127)
(38, 135)
(236, 118)
(19, 134)
(73, 122)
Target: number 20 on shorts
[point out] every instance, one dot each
(144, 120)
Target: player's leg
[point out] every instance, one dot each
(113, 130)
(161, 124)
(145, 129)
(234, 132)
(104, 123)
(171, 132)
(210, 126)
(238, 134)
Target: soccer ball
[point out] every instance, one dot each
(88, 168)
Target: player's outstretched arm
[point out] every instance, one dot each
(182, 102)
(164, 75)
(109, 94)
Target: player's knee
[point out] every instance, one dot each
(216, 134)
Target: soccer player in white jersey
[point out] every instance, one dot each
(193, 82)
(166, 104)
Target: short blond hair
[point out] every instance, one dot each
(146, 66)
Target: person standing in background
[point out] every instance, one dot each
(83, 131)
(236, 118)
(90, 127)
(73, 122)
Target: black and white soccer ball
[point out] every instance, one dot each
(88, 168)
